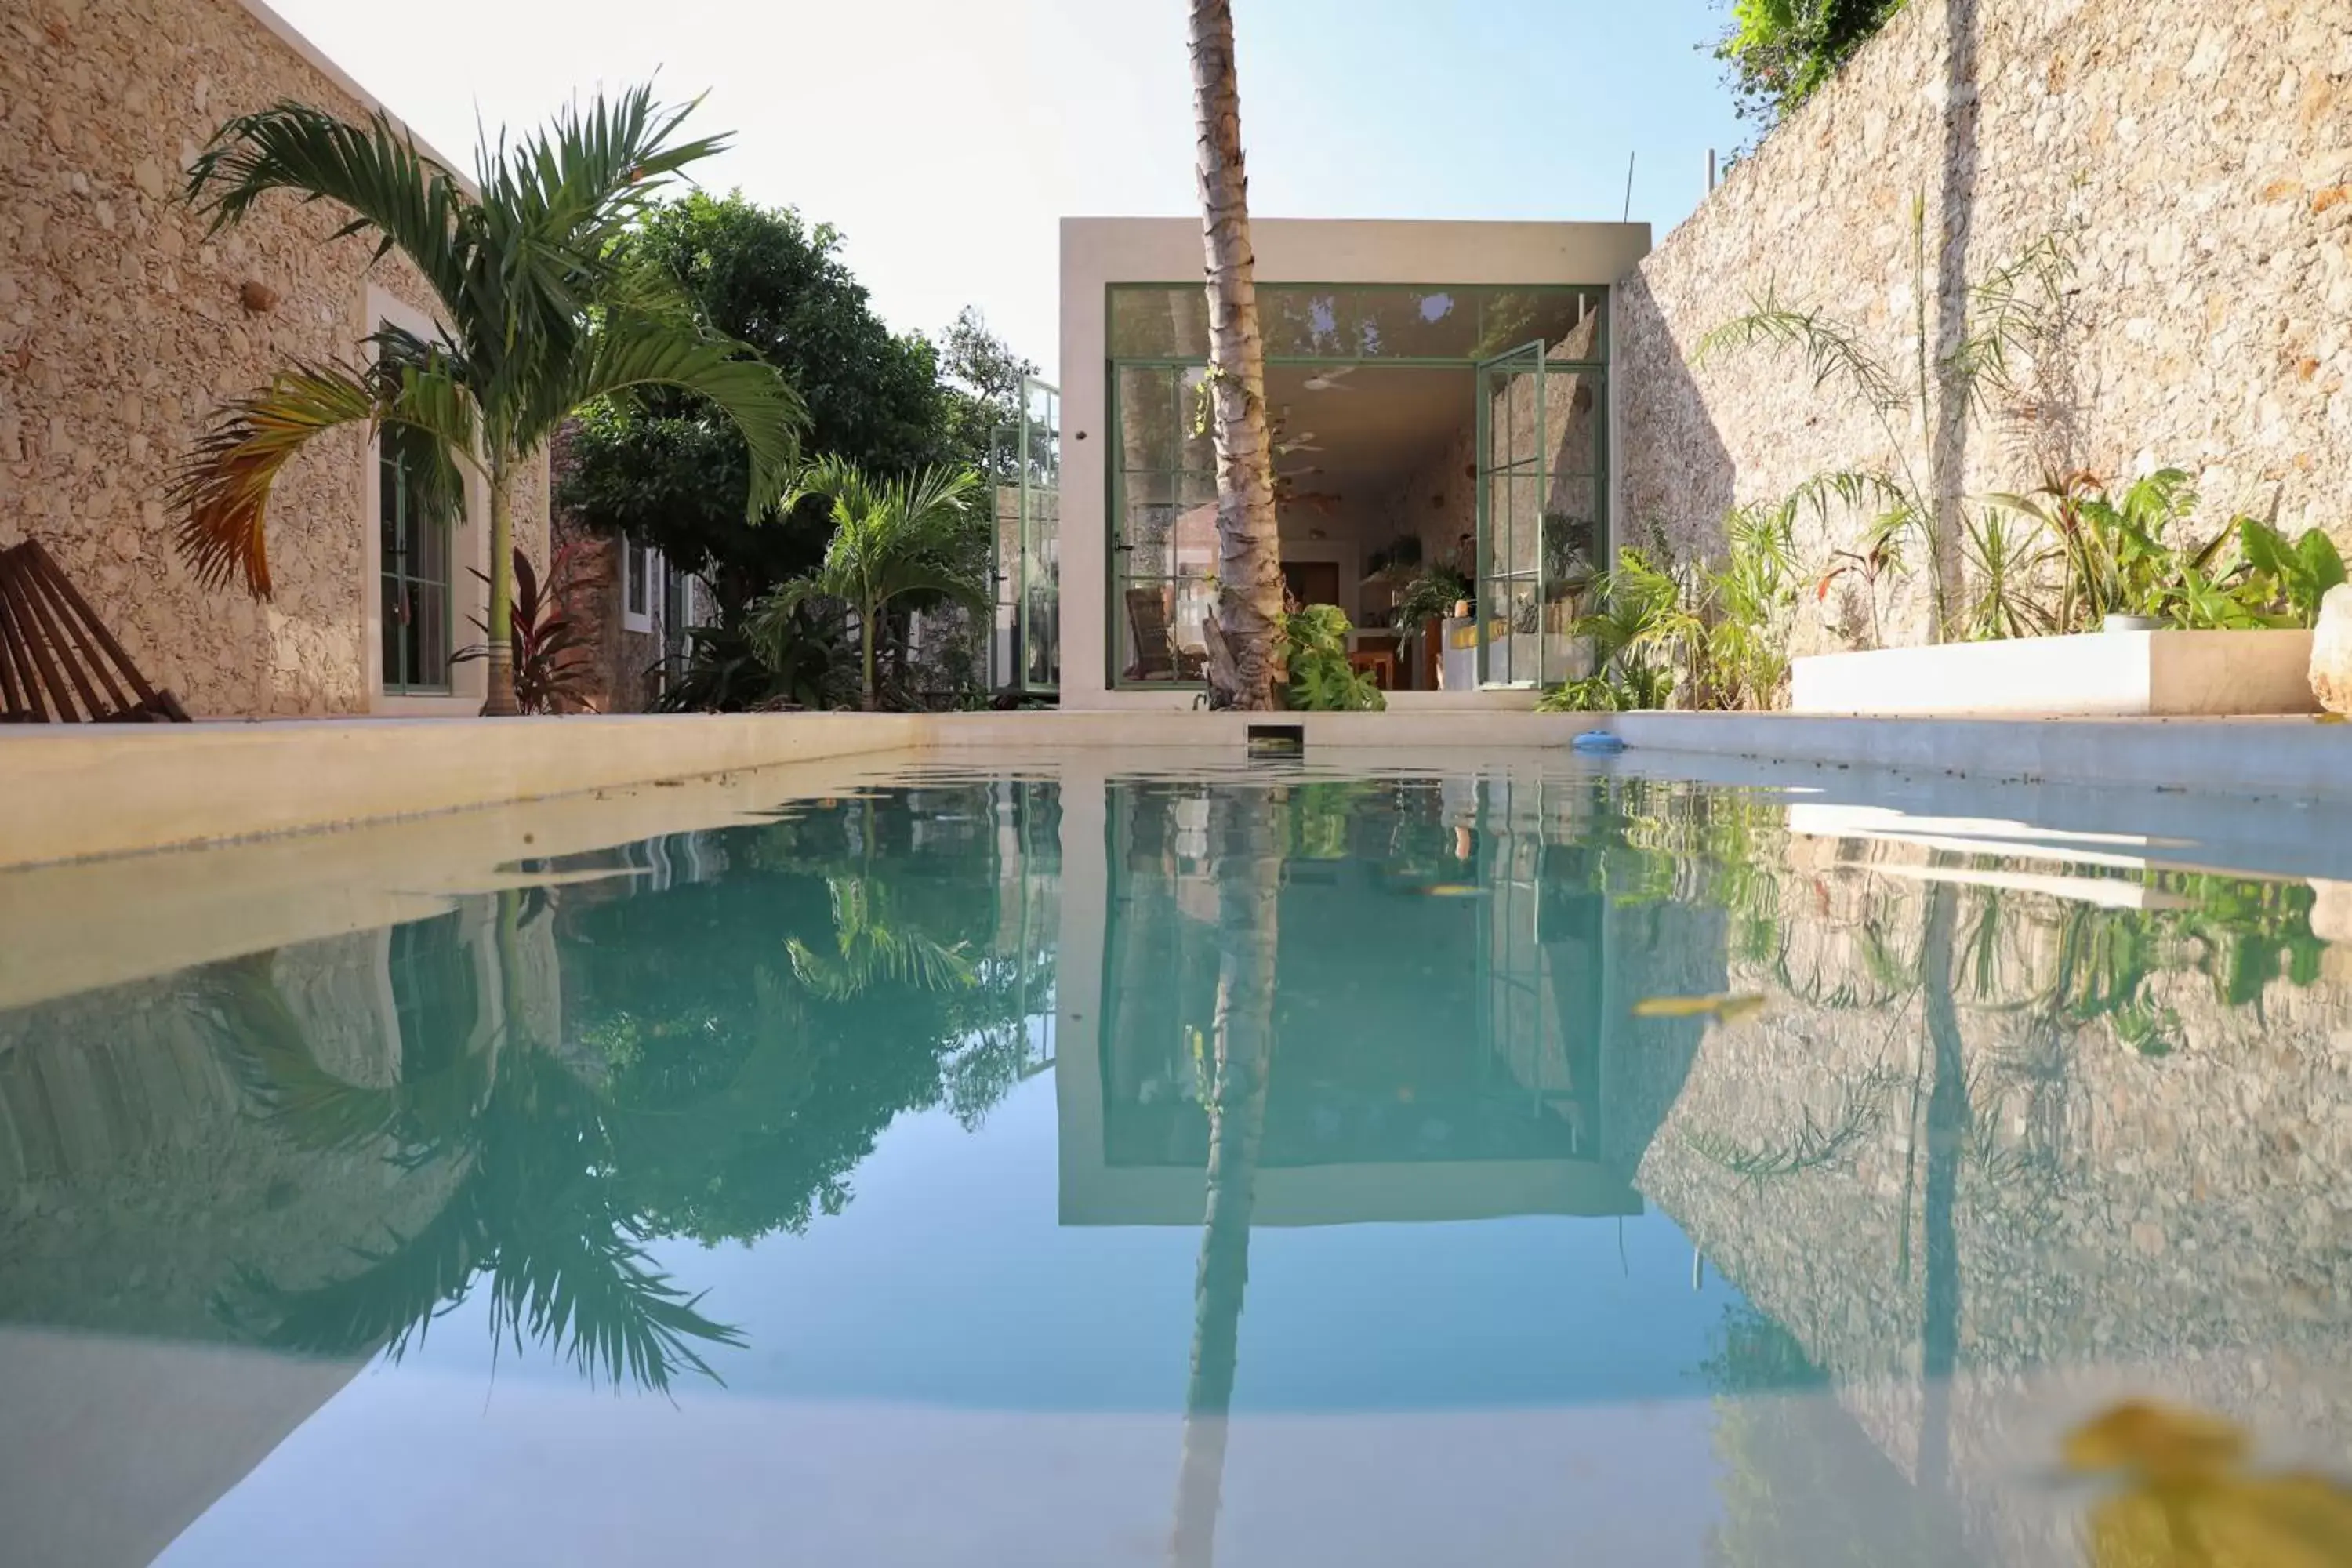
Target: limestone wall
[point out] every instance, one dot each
(2196, 158)
(121, 326)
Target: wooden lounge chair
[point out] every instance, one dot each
(1157, 657)
(58, 664)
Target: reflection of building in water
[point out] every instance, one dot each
(144, 1189)
(1444, 1046)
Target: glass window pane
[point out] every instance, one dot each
(412, 660)
(394, 671)
(1154, 412)
(1196, 441)
(1157, 322)
(1568, 320)
(432, 667)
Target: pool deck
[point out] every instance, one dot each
(80, 793)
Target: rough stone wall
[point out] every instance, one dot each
(122, 327)
(2196, 159)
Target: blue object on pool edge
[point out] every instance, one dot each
(1598, 741)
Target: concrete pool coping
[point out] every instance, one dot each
(81, 793)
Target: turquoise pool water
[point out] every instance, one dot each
(1517, 1163)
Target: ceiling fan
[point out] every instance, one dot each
(1328, 380)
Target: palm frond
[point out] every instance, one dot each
(1831, 350)
(403, 198)
(628, 350)
(268, 1053)
(554, 204)
(589, 1290)
(224, 483)
(2014, 311)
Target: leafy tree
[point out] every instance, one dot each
(982, 375)
(542, 311)
(667, 471)
(1778, 52)
(917, 540)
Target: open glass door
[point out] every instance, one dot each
(1542, 523)
(1041, 537)
(1512, 463)
(1025, 635)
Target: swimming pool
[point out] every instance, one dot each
(1396, 1159)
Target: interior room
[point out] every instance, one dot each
(1389, 422)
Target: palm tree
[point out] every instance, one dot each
(917, 534)
(1250, 835)
(1246, 634)
(537, 315)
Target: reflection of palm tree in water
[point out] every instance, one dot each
(1249, 880)
(560, 1174)
(534, 1215)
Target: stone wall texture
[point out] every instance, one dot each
(122, 327)
(2195, 160)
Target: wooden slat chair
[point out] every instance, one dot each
(58, 664)
(1157, 655)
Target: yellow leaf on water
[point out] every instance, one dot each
(2188, 1501)
(1732, 1007)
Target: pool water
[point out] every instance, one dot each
(1042, 1164)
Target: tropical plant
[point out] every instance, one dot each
(911, 538)
(539, 313)
(550, 649)
(1432, 596)
(1315, 652)
(2013, 310)
(723, 673)
(669, 470)
(2113, 548)
(1245, 632)
(1715, 633)
(1638, 618)
(1776, 53)
(872, 944)
(2289, 579)
(1738, 653)
(2005, 567)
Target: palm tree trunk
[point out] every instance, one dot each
(1249, 883)
(500, 700)
(1242, 644)
(865, 616)
(1948, 1118)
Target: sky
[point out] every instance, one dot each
(945, 138)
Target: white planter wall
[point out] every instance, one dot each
(2133, 674)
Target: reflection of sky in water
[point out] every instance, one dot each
(2017, 1105)
(948, 1280)
(943, 1370)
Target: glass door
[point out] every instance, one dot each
(1026, 634)
(1164, 525)
(1542, 439)
(1512, 470)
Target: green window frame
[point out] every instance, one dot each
(1150, 328)
(414, 573)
